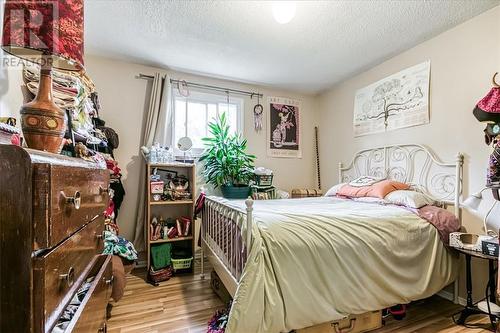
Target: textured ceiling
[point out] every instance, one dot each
(326, 42)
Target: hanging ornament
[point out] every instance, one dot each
(258, 114)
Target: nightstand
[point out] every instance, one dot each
(471, 308)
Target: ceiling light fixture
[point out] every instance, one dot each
(283, 11)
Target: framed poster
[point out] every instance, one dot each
(398, 101)
(283, 132)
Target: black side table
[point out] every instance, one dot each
(471, 307)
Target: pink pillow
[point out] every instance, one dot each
(377, 190)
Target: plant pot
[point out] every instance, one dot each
(235, 192)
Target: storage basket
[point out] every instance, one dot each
(160, 275)
(305, 193)
(182, 263)
(161, 255)
(263, 180)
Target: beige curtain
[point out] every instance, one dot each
(157, 128)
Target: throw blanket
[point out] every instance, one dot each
(315, 260)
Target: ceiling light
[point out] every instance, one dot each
(283, 11)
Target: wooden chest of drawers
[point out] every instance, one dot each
(51, 230)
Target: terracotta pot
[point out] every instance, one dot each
(42, 121)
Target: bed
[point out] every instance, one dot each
(296, 263)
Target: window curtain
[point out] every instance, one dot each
(157, 128)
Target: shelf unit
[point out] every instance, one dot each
(173, 209)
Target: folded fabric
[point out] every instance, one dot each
(377, 190)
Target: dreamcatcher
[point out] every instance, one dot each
(258, 114)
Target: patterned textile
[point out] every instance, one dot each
(491, 102)
(117, 245)
(488, 108)
(61, 33)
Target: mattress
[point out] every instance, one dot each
(315, 260)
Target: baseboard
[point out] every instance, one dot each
(449, 296)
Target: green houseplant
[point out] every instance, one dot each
(226, 164)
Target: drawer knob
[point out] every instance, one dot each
(103, 328)
(69, 277)
(76, 200)
(109, 281)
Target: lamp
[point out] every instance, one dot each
(491, 222)
(283, 11)
(49, 33)
(473, 201)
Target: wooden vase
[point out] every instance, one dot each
(42, 121)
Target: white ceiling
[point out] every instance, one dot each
(326, 42)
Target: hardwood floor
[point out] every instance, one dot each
(185, 303)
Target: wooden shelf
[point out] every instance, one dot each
(172, 202)
(169, 240)
(171, 165)
(175, 208)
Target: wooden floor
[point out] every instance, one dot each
(185, 303)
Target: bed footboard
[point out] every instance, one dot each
(226, 238)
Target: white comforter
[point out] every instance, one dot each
(318, 259)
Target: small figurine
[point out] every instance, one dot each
(178, 187)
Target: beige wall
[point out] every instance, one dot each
(463, 61)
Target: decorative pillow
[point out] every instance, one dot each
(377, 190)
(365, 181)
(333, 190)
(409, 199)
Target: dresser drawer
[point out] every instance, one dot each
(65, 199)
(91, 315)
(58, 273)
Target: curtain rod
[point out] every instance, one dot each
(144, 77)
(216, 88)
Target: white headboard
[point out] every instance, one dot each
(413, 164)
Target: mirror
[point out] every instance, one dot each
(184, 144)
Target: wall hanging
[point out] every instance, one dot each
(283, 134)
(258, 114)
(397, 101)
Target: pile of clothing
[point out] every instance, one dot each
(75, 93)
(73, 306)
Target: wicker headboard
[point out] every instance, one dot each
(413, 164)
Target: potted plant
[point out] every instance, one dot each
(226, 164)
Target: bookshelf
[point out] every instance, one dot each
(172, 209)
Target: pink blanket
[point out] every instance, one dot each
(444, 221)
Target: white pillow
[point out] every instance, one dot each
(333, 190)
(409, 199)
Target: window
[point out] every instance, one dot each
(193, 113)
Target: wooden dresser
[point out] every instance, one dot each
(51, 229)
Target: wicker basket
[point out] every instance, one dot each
(181, 263)
(263, 180)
